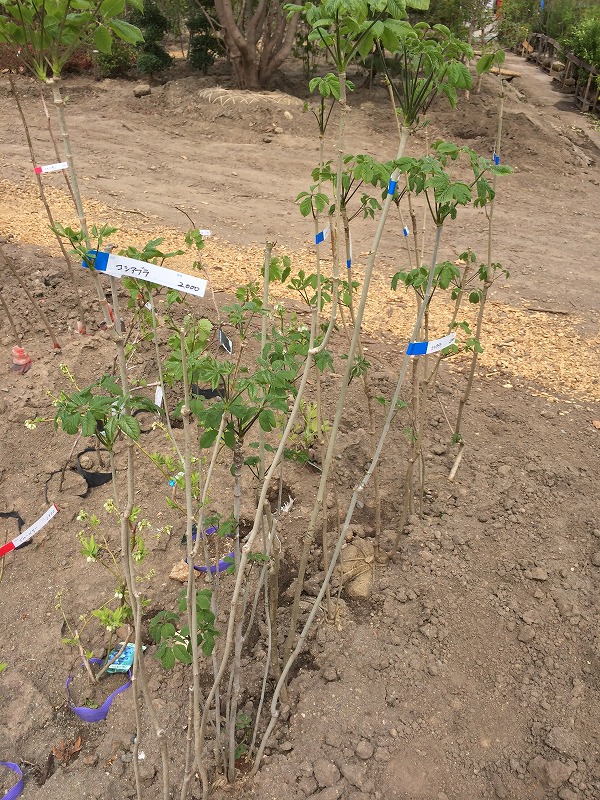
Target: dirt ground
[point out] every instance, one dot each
(473, 669)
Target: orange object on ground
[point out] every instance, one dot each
(21, 360)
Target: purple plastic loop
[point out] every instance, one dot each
(223, 564)
(94, 714)
(18, 787)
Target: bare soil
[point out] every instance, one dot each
(473, 669)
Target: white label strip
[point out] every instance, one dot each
(51, 168)
(434, 346)
(204, 233)
(30, 531)
(121, 267)
(158, 396)
(225, 342)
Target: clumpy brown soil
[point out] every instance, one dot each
(472, 671)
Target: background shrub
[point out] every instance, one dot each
(117, 63)
(204, 47)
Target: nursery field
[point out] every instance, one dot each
(470, 668)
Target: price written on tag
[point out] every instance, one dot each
(121, 267)
(51, 168)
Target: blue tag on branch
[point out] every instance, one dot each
(124, 662)
(322, 235)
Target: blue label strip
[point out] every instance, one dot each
(100, 260)
(349, 263)
(320, 237)
(496, 158)
(417, 349)
(16, 790)
(405, 231)
(124, 662)
(392, 187)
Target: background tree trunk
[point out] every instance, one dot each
(258, 39)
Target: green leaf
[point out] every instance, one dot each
(181, 654)
(111, 8)
(130, 427)
(229, 437)
(167, 630)
(88, 424)
(102, 39)
(124, 30)
(485, 63)
(106, 382)
(208, 438)
(70, 423)
(266, 420)
(306, 206)
(168, 659)
(208, 644)
(203, 600)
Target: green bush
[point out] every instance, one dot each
(454, 14)
(204, 46)
(203, 52)
(118, 62)
(154, 25)
(153, 59)
(584, 41)
(517, 19)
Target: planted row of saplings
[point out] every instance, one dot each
(253, 398)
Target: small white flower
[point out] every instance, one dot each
(90, 558)
(30, 424)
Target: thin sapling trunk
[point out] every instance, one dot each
(59, 103)
(257, 525)
(318, 505)
(6, 261)
(487, 282)
(350, 512)
(81, 322)
(11, 321)
(192, 611)
(139, 672)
